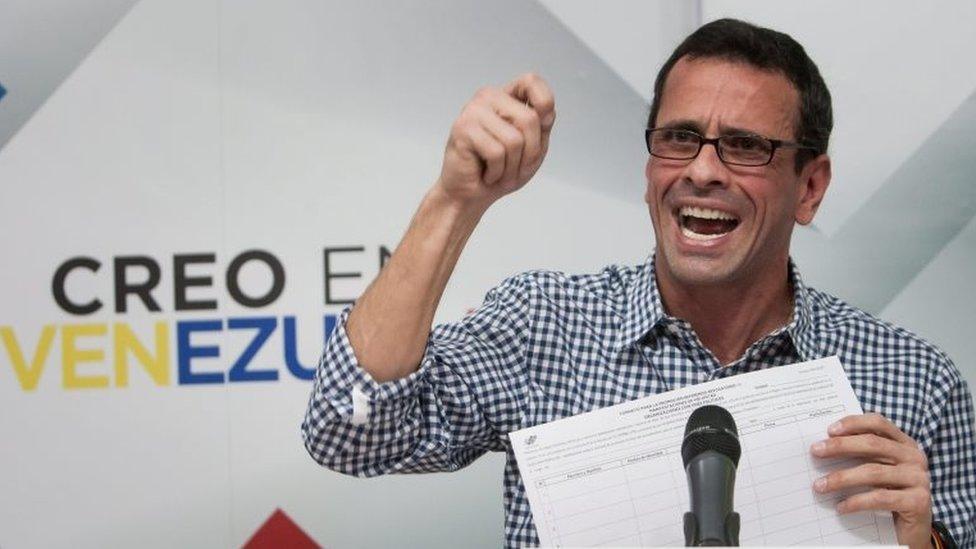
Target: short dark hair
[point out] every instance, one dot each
(769, 50)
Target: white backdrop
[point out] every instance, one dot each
(219, 127)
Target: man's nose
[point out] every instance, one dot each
(707, 169)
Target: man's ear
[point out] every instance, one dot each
(814, 180)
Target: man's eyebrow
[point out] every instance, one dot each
(694, 126)
(733, 130)
(686, 124)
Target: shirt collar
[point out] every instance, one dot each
(802, 328)
(642, 306)
(643, 310)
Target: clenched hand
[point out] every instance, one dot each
(498, 141)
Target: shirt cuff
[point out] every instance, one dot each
(351, 392)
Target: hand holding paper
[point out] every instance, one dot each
(896, 474)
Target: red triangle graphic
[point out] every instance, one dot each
(280, 531)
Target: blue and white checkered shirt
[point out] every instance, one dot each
(546, 345)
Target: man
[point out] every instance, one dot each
(737, 138)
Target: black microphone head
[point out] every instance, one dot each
(711, 428)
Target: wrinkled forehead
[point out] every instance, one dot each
(718, 95)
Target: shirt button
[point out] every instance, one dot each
(674, 329)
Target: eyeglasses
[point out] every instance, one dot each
(736, 149)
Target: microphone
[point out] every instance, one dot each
(710, 452)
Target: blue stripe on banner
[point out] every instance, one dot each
(3, 91)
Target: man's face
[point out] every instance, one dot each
(714, 223)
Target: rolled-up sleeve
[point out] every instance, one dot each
(952, 457)
(436, 418)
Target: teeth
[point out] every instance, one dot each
(702, 213)
(696, 236)
(705, 213)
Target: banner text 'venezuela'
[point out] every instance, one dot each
(84, 348)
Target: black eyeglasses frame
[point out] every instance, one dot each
(714, 141)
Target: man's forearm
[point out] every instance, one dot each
(389, 325)
(495, 146)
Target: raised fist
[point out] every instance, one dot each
(498, 141)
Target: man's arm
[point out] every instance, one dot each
(439, 418)
(496, 145)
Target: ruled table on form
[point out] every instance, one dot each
(614, 476)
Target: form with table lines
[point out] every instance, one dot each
(614, 476)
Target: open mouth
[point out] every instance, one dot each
(705, 223)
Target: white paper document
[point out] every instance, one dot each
(614, 476)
